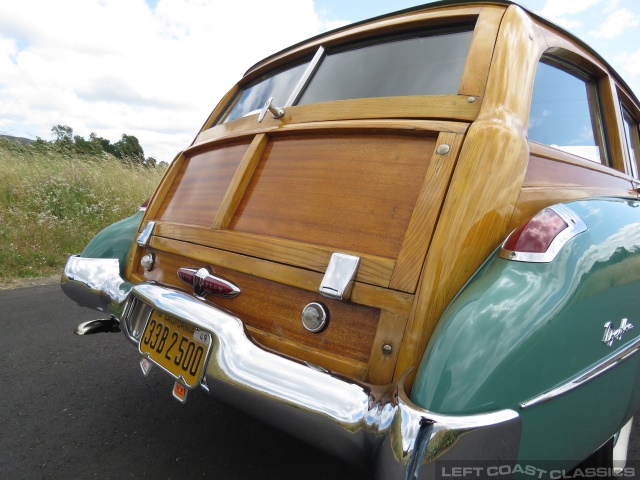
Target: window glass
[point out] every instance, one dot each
(252, 98)
(427, 65)
(565, 112)
(633, 140)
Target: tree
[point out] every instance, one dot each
(64, 136)
(128, 147)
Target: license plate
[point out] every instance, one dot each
(178, 347)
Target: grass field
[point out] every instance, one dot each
(52, 204)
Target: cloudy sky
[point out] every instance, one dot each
(156, 68)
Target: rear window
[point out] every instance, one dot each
(251, 99)
(423, 65)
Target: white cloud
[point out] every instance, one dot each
(557, 8)
(117, 66)
(616, 23)
(612, 6)
(567, 24)
(629, 63)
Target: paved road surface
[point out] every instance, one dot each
(79, 407)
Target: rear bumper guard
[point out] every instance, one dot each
(363, 424)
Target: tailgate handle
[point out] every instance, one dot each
(338, 279)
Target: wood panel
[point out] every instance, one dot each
(485, 186)
(382, 365)
(566, 178)
(353, 193)
(425, 215)
(200, 185)
(276, 309)
(362, 293)
(211, 138)
(333, 363)
(455, 108)
(240, 181)
(476, 68)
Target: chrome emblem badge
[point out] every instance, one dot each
(204, 283)
(610, 334)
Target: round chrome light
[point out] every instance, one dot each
(315, 317)
(147, 261)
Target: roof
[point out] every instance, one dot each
(457, 3)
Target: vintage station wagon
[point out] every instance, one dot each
(410, 241)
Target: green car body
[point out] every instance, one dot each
(115, 240)
(519, 329)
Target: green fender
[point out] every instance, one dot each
(517, 330)
(115, 240)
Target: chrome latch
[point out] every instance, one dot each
(143, 238)
(269, 107)
(338, 279)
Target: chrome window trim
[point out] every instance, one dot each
(607, 363)
(575, 226)
(302, 83)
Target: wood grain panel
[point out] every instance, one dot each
(485, 186)
(548, 172)
(333, 363)
(276, 309)
(564, 179)
(227, 131)
(373, 270)
(454, 108)
(390, 330)
(351, 193)
(425, 215)
(476, 68)
(240, 181)
(200, 185)
(362, 293)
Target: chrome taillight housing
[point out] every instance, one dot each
(541, 238)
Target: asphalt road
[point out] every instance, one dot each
(79, 407)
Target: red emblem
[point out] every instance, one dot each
(204, 283)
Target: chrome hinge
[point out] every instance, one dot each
(143, 238)
(338, 279)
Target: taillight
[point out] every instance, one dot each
(542, 237)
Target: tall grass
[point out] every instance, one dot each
(53, 203)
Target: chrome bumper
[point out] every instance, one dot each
(363, 424)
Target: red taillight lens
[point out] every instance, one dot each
(536, 235)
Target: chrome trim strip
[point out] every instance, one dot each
(311, 68)
(609, 362)
(575, 226)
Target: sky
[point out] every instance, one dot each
(155, 69)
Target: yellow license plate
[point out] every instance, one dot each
(178, 347)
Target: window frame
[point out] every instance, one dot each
(595, 101)
(632, 144)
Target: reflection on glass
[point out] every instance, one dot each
(563, 107)
(412, 66)
(633, 140)
(278, 86)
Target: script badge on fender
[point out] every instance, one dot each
(204, 283)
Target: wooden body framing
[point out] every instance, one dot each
(421, 227)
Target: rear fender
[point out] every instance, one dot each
(115, 240)
(518, 330)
